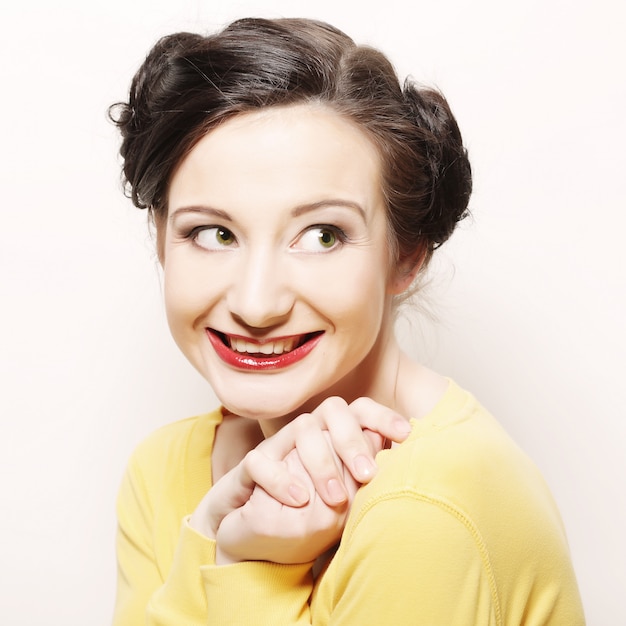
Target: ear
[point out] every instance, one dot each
(406, 270)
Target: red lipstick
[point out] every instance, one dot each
(260, 362)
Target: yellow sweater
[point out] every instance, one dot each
(457, 528)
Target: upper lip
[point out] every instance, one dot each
(289, 342)
(256, 341)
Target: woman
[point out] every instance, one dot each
(298, 192)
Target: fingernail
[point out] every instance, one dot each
(336, 491)
(299, 494)
(364, 467)
(402, 427)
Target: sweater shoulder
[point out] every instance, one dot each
(176, 440)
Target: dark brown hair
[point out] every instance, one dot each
(190, 83)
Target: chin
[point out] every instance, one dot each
(267, 397)
(263, 408)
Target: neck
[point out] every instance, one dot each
(376, 377)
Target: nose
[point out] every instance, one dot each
(260, 295)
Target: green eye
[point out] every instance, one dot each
(320, 238)
(224, 237)
(214, 238)
(327, 238)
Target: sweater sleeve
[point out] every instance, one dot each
(411, 560)
(414, 559)
(196, 592)
(137, 572)
(145, 594)
(258, 592)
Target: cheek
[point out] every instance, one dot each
(186, 290)
(353, 297)
(176, 305)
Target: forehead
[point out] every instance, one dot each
(280, 155)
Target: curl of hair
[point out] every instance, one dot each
(190, 83)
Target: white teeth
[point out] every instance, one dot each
(271, 347)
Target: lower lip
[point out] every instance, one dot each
(244, 361)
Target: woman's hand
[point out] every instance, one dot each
(264, 529)
(333, 437)
(356, 433)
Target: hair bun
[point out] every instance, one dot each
(151, 88)
(451, 175)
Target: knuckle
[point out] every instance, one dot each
(334, 403)
(272, 478)
(249, 460)
(303, 422)
(329, 408)
(362, 403)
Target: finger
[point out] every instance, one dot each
(355, 447)
(375, 440)
(378, 422)
(320, 462)
(278, 446)
(226, 495)
(322, 465)
(381, 419)
(274, 477)
(234, 489)
(358, 432)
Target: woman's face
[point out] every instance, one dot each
(276, 260)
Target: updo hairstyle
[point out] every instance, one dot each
(190, 83)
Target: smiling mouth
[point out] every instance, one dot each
(243, 353)
(266, 348)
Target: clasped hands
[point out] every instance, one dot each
(288, 499)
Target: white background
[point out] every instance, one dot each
(530, 293)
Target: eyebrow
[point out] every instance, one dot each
(207, 210)
(296, 212)
(305, 208)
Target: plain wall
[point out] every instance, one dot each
(530, 292)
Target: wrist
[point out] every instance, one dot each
(223, 558)
(199, 523)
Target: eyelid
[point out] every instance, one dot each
(339, 233)
(193, 233)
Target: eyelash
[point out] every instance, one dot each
(193, 233)
(338, 232)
